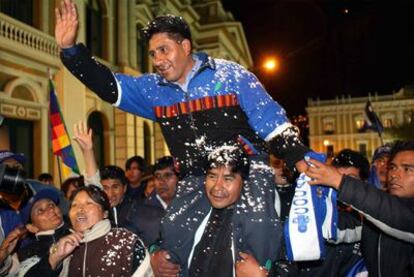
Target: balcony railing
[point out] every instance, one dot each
(14, 30)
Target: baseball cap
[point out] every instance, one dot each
(6, 155)
(42, 194)
(382, 151)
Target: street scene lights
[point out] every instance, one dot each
(271, 65)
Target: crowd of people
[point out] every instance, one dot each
(241, 195)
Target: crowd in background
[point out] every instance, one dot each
(132, 202)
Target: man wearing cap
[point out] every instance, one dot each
(15, 192)
(13, 160)
(44, 220)
(379, 167)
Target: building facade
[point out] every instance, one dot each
(337, 124)
(111, 30)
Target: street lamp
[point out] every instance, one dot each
(271, 64)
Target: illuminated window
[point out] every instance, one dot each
(359, 123)
(94, 27)
(388, 120)
(387, 123)
(328, 125)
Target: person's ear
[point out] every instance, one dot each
(31, 228)
(186, 46)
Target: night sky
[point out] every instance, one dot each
(328, 48)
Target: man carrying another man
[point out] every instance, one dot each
(199, 102)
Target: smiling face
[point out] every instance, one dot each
(84, 212)
(172, 59)
(115, 191)
(401, 174)
(223, 187)
(45, 215)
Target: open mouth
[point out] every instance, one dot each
(162, 190)
(81, 219)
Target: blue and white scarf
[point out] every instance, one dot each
(312, 218)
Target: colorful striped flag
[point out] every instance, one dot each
(60, 139)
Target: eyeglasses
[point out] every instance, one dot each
(165, 176)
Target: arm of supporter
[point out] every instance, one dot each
(269, 120)
(7, 247)
(123, 91)
(83, 136)
(389, 213)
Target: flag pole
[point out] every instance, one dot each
(59, 170)
(49, 71)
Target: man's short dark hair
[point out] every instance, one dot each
(400, 146)
(136, 159)
(165, 162)
(174, 26)
(350, 158)
(229, 156)
(76, 181)
(44, 177)
(113, 172)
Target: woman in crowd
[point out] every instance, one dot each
(70, 185)
(94, 248)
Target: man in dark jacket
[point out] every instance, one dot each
(214, 251)
(128, 211)
(166, 179)
(199, 102)
(387, 233)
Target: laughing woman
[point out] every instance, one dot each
(94, 248)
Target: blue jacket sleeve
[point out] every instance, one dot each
(136, 93)
(127, 92)
(268, 119)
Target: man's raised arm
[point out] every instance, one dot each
(77, 58)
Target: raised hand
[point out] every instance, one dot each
(323, 174)
(67, 24)
(63, 248)
(248, 266)
(9, 243)
(83, 136)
